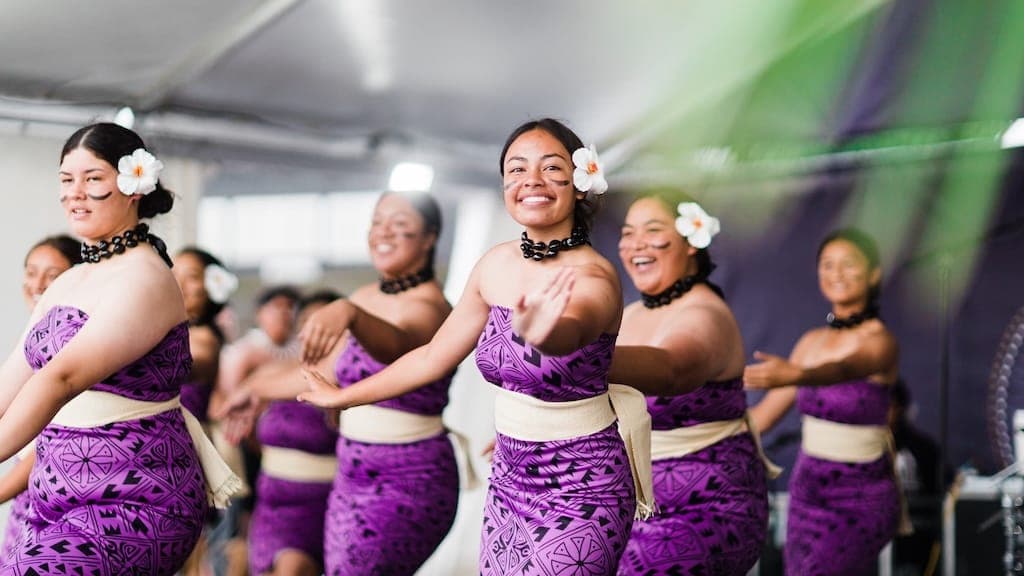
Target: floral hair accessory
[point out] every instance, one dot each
(589, 174)
(695, 225)
(138, 172)
(219, 283)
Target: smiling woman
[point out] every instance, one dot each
(844, 505)
(47, 259)
(549, 356)
(681, 345)
(118, 475)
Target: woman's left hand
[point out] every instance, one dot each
(771, 372)
(536, 313)
(322, 392)
(323, 329)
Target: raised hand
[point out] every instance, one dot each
(238, 413)
(536, 313)
(322, 392)
(322, 330)
(771, 372)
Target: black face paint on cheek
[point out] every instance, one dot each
(102, 197)
(508, 185)
(660, 246)
(561, 182)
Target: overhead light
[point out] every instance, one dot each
(125, 117)
(411, 177)
(1013, 137)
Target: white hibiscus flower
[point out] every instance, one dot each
(695, 225)
(138, 172)
(219, 283)
(589, 173)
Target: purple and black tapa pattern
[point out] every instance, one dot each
(391, 504)
(713, 503)
(555, 508)
(124, 498)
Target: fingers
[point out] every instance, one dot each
(316, 380)
(312, 338)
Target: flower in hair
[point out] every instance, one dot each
(219, 283)
(589, 174)
(695, 225)
(138, 172)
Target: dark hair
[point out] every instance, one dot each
(323, 296)
(899, 393)
(583, 211)
(68, 247)
(269, 294)
(427, 207)
(110, 142)
(866, 245)
(210, 308)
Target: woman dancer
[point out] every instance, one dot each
(47, 259)
(397, 484)
(117, 487)
(286, 533)
(206, 286)
(682, 339)
(844, 505)
(561, 491)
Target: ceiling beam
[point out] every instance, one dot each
(204, 55)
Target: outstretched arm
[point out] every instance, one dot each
(570, 310)
(131, 320)
(686, 355)
(876, 353)
(454, 340)
(385, 340)
(772, 407)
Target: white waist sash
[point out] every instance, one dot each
(527, 418)
(686, 440)
(838, 442)
(378, 425)
(92, 408)
(297, 465)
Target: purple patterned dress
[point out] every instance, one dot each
(290, 514)
(713, 503)
(125, 498)
(195, 397)
(561, 507)
(391, 504)
(841, 515)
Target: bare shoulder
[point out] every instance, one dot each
(139, 282)
(810, 340)
(500, 255)
(875, 330)
(363, 293)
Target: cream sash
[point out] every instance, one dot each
(92, 408)
(527, 418)
(686, 440)
(840, 442)
(297, 465)
(378, 425)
